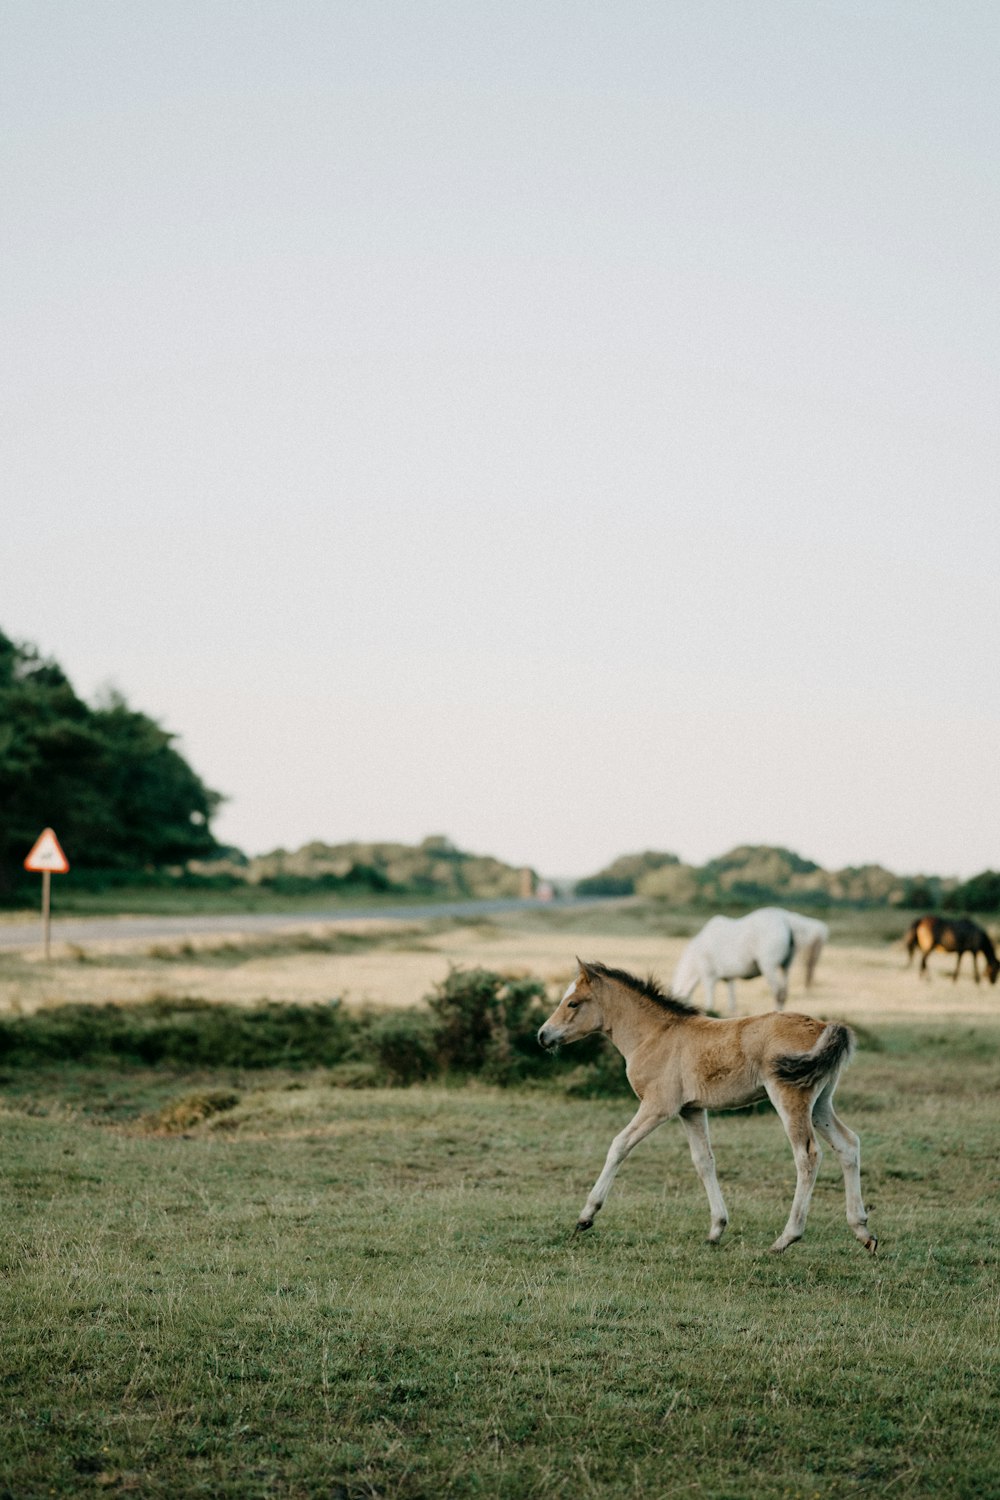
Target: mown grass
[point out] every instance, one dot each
(321, 1292)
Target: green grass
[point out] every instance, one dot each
(323, 1292)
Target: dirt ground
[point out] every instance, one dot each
(867, 981)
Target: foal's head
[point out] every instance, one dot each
(578, 1012)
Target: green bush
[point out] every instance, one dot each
(183, 1033)
(600, 1077)
(404, 1045)
(487, 1024)
(476, 1023)
(359, 877)
(605, 885)
(980, 894)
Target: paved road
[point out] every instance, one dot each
(83, 930)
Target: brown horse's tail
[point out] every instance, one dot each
(834, 1048)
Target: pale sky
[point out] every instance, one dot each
(570, 427)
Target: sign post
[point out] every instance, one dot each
(46, 855)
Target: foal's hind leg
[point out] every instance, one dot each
(848, 1148)
(795, 1108)
(695, 1122)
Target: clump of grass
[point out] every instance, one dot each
(189, 1111)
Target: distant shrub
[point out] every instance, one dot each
(603, 1077)
(487, 1024)
(405, 1045)
(476, 1023)
(360, 877)
(921, 893)
(605, 885)
(182, 1033)
(980, 894)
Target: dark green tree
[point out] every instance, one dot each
(980, 894)
(108, 779)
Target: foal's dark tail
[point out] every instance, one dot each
(832, 1051)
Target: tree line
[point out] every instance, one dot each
(108, 778)
(126, 803)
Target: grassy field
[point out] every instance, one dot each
(256, 1284)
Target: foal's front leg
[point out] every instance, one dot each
(645, 1120)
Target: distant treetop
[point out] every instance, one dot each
(107, 778)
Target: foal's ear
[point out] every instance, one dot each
(585, 969)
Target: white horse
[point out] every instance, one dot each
(810, 934)
(737, 948)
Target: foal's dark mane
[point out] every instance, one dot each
(649, 989)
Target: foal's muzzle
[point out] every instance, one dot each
(549, 1037)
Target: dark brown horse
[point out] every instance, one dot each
(952, 935)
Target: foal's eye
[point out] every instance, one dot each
(572, 1004)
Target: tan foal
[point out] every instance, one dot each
(681, 1062)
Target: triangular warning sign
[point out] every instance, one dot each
(47, 855)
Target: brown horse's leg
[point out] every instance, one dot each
(795, 1108)
(975, 964)
(695, 1124)
(925, 955)
(958, 963)
(848, 1148)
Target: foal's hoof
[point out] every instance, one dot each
(870, 1244)
(582, 1224)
